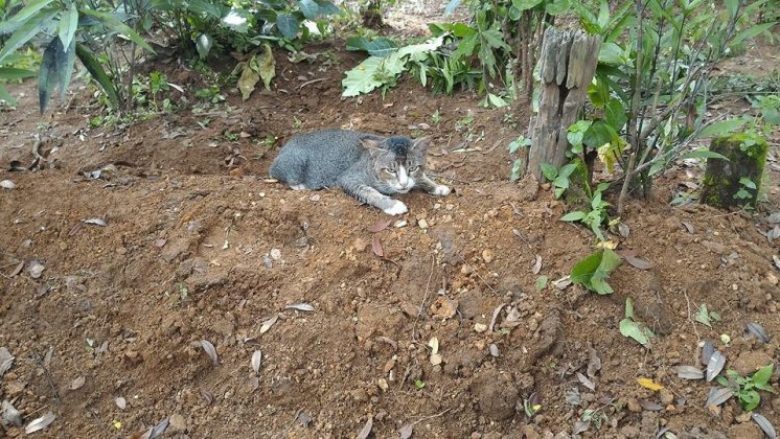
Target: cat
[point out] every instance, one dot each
(367, 166)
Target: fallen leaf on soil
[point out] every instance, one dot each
(585, 381)
(207, 396)
(406, 431)
(537, 265)
(706, 352)
(436, 359)
(580, 427)
(379, 226)
(753, 328)
(6, 360)
(40, 423)
(254, 383)
(433, 343)
(443, 308)
(376, 247)
(689, 227)
(650, 406)
(96, 222)
(649, 384)
(562, 283)
(718, 395)
(157, 430)
(268, 323)
(77, 383)
(257, 360)
(493, 350)
(765, 425)
(303, 418)
(35, 269)
(624, 230)
(9, 415)
(777, 261)
(493, 319)
(366, 430)
(210, 351)
(120, 402)
(715, 365)
(689, 373)
(7, 184)
(305, 307)
(637, 262)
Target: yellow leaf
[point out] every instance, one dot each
(247, 81)
(607, 244)
(648, 383)
(117, 424)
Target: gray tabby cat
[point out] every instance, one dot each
(367, 166)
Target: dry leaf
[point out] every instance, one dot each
(433, 343)
(765, 425)
(706, 352)
(305, 307)
(7, 184)
(35, 269)
(257, 360)
(17, 270)
(366, 430)
(493, 350)
(96, 222)
(6, 360)
(493, 319)
(649, 384)
(754, 329)
(637, 262)
(624, 230)
(268, 323)
(9, 415)
(77, 383)
(689, 373)
(157, 430)
(650, 406)
(718, 395)
(689, 227)
(715, 365)
(379, 226)
(594, 362)
(40, 423)
(120, 402)
(436, 359)
(210, 351)
(207, 396)
(537, 265)
(585, 381)
(376, 247)
(406, 431)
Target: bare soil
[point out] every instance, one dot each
(197, 245)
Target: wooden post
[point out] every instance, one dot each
(736, 182)
(568, 62)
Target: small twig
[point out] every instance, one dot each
(313, 81)
(428, 418)
(39, 362)
(688, 303)
(425, 299)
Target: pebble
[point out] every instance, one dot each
(400, 223)
(276, 254)
(422, 223)
(7, 184)
(480, 327)
(487, 256)
(177, 423)
(633, 405)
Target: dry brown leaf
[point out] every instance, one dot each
(305, 307)
(634, 261)
(715, 365)
(406, 431)
(40, 423)
(268, 324)
(6, 360)
(77, 383)
(585, 381)
(376, 247)
(379, 226)
(765, 425)
(537, 265)
(17, 270)
(366, 430)
(257, 360)
(211, 351)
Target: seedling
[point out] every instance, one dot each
(746, 388)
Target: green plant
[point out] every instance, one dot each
(517, 164)
(595, 214)
(634, 330)
(593, 271)
(746, 388)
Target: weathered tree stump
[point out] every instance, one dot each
(568, 62)
(736, 182)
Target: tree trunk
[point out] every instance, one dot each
(568, 62)
(736, 182)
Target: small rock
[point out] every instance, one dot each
(422, 223)
(276, 254)
(399, 224)
(633, 405)
(480, 327)
(443, 308)
(360, 244)
(7, 184)
(466, 269)
(750, 361)
(177, 423)
(667, 397)
(487, 256)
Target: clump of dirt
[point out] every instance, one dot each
(182, 239)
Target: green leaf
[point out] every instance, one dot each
(524, 5)
(309, 8)
(629, 313)
(266, 66)
(361, 79)
(249, 78)
(114, 23)
(24, 15)
(287, 25)
(593, 271)
(25, 33)
(704, 153)
(749, 399)
(55, 71)
(722, 128)
(5, 96)
(69, 21)
(573, 216)
(635, 331)
(203, 45)
(752, 32)
(703, 316)
(615, 114)
(496, 101)
(377, 47)
(762, 376)
(748, 183)
(98, 74)
(541, 282)
(576, 133)
(13, 74)
(328, 8)
(549, 171)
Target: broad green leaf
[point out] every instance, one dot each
(541, 282)
(749, 399)
(573, 216)
(266, 66)
(24, 15)
(762, 376)
(361, 79)
(635, 331)
(98, 74)
(748, 183)
(703, 316)
(248, 79)
(377, 47)
(576, 133)
(593, 271)
(309, 8)
(722, 128)
(731, 7)
(118, 26)
(203, 45)
(25, 33)
(287, 25)
(328, 8)
(603, 18)
(549, 171)
(752, 32)
(496, 101)
(615, 114)
(524, 5)
(69, 21)
(704, 153)
(5, 96)
(13, 74)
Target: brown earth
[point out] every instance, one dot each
(199, 246)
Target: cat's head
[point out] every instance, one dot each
(397, 162)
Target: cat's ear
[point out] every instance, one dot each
(420, 146)
(373, 146)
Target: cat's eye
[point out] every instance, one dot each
(413, 169)
(388, 171)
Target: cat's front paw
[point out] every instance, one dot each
(441, 190)
(397, 208)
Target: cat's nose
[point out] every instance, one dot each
(403, 177)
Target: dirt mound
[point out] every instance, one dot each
(181, 240)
